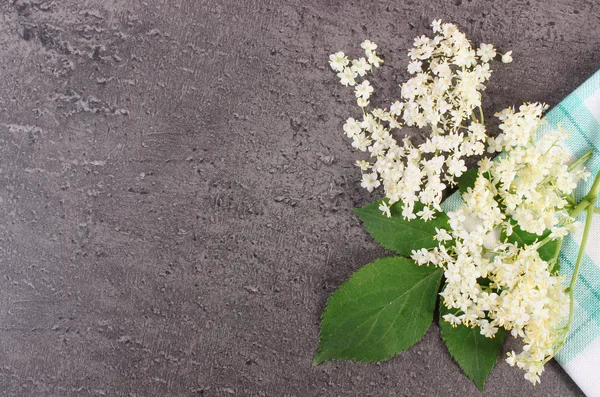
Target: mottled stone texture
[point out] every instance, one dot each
(176, 192)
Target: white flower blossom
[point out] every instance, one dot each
(507, 58)
(415, 67)
(385, 208)
(347, 77)
(363, 90)
(362, 102)
(361, 66)
(487, 52)
(351, 127)
(338, 61)
(368, 45)
(370, 181)
(442, 235)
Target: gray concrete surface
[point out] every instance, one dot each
(176, 192)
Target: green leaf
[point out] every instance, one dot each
(474, 353)
(467, 179)
(523, 238)
(398, 234)
(383, 309)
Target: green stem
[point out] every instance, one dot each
(584, 239)
(587, 155)
(556, 252)
(580, 207)
(586, 204)
(589, 199)
(594, 190)
(571, 289)
(545, 241)
(482, 119)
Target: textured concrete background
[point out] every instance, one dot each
(176, 191)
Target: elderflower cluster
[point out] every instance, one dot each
(492, 283)
(533, 180)
(443, 94)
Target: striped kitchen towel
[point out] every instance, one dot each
(579, 114)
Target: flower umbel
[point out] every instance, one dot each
(493, 283)
(445, 90)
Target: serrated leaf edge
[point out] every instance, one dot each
(317, 361)
(482, 386)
